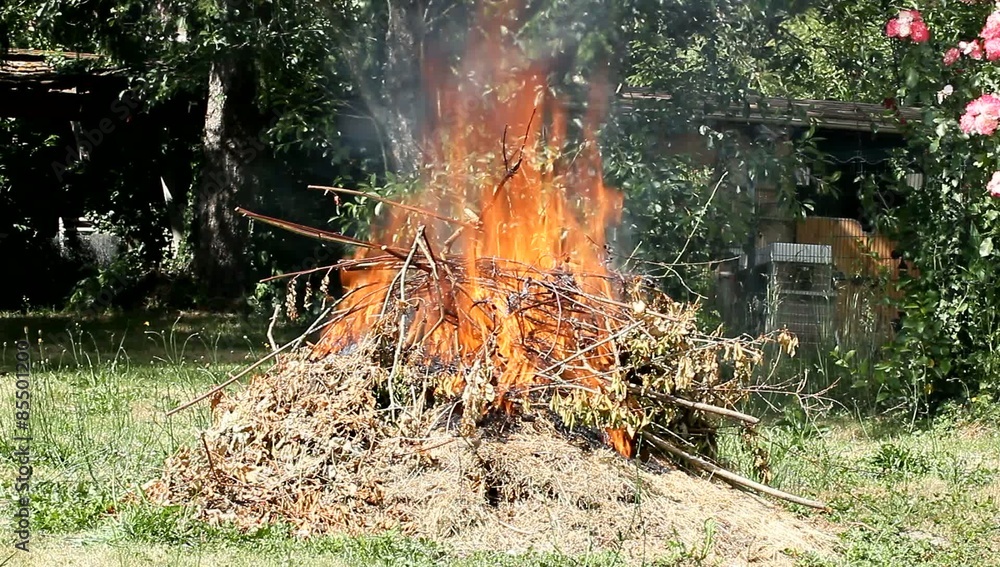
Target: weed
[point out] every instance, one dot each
(892, 460)
(69, 506)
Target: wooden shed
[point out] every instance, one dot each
(827, 276)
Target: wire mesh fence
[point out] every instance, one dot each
(833, 289)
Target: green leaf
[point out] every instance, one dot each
(986, 248)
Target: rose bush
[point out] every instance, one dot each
(946, 346)
(908, 24)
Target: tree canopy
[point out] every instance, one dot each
(243, 103)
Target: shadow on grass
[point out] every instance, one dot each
(61, 340)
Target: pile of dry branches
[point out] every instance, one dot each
(500, 337)
(466, 329)
(311, 444)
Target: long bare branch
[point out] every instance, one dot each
(312, 232)
(729, 476)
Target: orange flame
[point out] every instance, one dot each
(527, 213)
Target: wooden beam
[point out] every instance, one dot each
(55, 105)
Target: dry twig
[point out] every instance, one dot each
(729, 476)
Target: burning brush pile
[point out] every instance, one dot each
(484, 364)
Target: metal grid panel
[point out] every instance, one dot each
(809, 317)
(801, 277)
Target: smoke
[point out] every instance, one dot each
(401, 52)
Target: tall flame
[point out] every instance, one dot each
(518, 208)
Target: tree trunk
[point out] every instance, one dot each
(228, 180)
(403, 84)
(393, 91)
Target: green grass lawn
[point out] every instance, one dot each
(100, 389)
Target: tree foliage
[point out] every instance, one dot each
(335, 91)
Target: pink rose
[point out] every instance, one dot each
(892, 28)
(904, 28)
(967, 123)
(992, 28)
(986, 104)
(951, 56)
(992, 47)
(975, 50)
(982, 116)
(993, 187)
(909, 23)
(909, 16)
(986, 124)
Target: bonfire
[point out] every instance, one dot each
(483, 339)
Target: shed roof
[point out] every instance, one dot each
(31, 85)
(838, 115)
